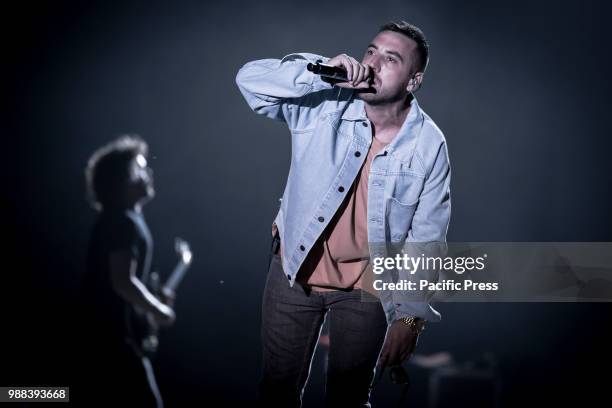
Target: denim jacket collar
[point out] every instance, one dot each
(406, 138)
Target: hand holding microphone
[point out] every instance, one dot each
(345, 72)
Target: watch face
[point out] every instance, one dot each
(416, 323)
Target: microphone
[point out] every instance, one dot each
(328, 71)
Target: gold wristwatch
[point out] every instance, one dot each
(416, 323)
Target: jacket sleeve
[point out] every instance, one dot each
(432, 215)
(277, 88)
(427, 235)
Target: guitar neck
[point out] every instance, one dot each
(177, 276)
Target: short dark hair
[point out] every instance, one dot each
(110, 168)
(414, 33)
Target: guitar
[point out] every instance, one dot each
(143, 327)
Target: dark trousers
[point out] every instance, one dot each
(291, 321)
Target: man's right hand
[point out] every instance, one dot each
(359, 75)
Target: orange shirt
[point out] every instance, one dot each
(340, 256)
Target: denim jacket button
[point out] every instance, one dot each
(364, 124)
(302, 248)
(357, 153)
(321, 219)
(341, 189)
(289, 277)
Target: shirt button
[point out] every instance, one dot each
(357, 153)
(364, 124)
(302, 248)
(321, 219)
(341, 189)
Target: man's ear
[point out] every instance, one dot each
(415, 82)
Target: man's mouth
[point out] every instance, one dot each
(373, 84)
(370, 89)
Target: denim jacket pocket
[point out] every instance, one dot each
(399, 219)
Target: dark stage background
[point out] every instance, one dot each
(520, 89)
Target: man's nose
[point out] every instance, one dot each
(374, 64)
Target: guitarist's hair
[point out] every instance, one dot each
(109, 169)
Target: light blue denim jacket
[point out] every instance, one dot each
(409, 181)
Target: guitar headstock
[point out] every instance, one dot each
(183, 250)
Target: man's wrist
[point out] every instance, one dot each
(415, 323)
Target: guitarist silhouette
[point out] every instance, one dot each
(124, 303)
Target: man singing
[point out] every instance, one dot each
(368, 166)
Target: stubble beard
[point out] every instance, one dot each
(378, 99)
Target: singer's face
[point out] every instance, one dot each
(142, 179)
(392, 58)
